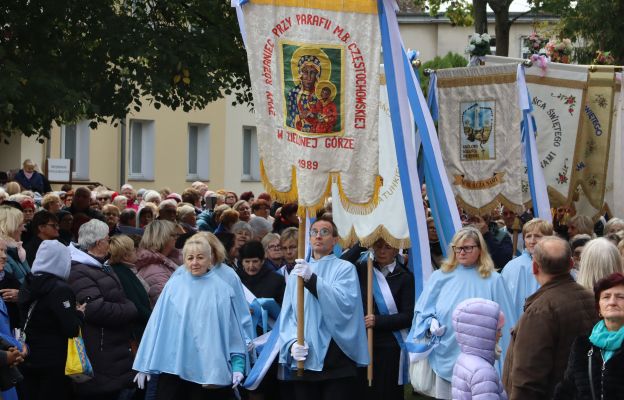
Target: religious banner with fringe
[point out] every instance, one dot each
(479, 128)
(314, 67)
(388, 221)
(575, 107)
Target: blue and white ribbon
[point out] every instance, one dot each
(537, 183)
(387, 306)
(269, 349)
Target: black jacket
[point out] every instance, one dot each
(608, 384)
(401, 283)
(266, 283)
(53, 320)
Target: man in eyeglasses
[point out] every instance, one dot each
(335, 337)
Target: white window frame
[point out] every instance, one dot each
(147, 150)
(252, 174)
(202, 167)
(81, 163)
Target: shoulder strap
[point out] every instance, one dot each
(589, 369)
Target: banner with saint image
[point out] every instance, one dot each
(314, 68)
(479, 129)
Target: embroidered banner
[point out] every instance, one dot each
(479, 128)
(314, 68)
(388, 220)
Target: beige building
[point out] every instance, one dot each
(217, 145)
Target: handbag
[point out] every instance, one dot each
(9, 376)
(77, 367)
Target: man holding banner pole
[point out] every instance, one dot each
(335, 336)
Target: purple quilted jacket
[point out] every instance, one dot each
(474, 375)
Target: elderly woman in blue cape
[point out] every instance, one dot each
(518, 273)
(467, 273)
(194, 339)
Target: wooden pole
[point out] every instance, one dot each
(300, 292)
(369, 311)
(516, 229)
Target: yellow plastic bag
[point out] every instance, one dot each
(77, 367)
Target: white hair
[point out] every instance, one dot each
(241, 226)
(91, 232)
(600, 258)
(151, 195)
(167, 203)
(127, 186)
(260, 227)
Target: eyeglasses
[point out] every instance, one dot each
(465, 249)
(55, 226)
(290, 248)
(323, 232)
(275, 247)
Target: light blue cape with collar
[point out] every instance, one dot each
(336, 314)
(519, 279)
(193, 331)
(228, 275)
(442, 293)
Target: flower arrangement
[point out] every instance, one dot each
(479, 45)
(559, 50)
(535, 42)
(604, 58)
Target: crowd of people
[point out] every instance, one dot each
(176, 295)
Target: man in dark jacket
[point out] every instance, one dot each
(553, 317)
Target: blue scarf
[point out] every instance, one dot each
(608, 341)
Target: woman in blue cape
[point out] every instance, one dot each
(468, 273)
(518, 273)
(193, 338)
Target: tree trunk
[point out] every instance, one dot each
(501, 14)
(480, 16)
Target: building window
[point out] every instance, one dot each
(141, 158)
(198, 152)
(251, 159)
(75, 146)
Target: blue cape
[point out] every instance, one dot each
(336, 314)
(228, 275)
(519, 279)
(442, 293)
(193, 331)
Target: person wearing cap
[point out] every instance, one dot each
(54, 318)
(30, 179)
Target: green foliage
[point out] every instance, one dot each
(66, 60)
(450, 60)
(458, 11)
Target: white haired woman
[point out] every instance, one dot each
(600, 258)
(108, 316)
(468, 272)
(193, 338)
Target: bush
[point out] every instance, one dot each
(450, 60)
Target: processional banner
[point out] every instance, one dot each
(479, 129)
(574, 112)
(314, 67)
(388, 220)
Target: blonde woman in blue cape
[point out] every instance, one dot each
(335, 337)
(468, 272)
(518, 273)
(194, 339)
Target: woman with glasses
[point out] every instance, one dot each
(273, 251)
(467, 273)
(44, 226)
(289, 240)
(157, 257)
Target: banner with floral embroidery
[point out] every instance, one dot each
(314, 68)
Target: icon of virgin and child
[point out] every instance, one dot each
(310, 105)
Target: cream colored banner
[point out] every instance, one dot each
(479, 129)
(315, 80)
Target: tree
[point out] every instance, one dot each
(67, 60)
(599, 23)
